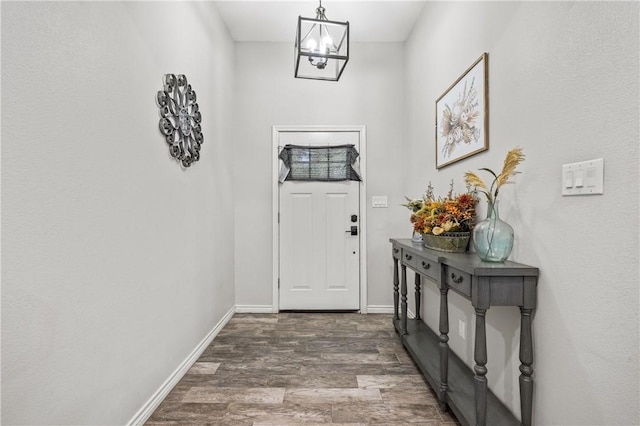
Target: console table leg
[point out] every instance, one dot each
(444, 348)
(417, 292)
(526, 359)
(403, 298)
(480, 379)
(396, 285)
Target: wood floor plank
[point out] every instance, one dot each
(386, 381)
(277, 414)
(204, 368)
(214, 395)
(331, 395)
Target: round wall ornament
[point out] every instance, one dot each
(180, 119)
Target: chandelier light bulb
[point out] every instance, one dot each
(326, 43)
(311, 45)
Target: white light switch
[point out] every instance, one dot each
(378, 201)
(568, 179)
(584, 178)
(579, 178)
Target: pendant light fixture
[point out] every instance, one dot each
(321, 48)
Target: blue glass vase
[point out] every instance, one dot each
(492, 237)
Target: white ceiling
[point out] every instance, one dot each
(276, 20)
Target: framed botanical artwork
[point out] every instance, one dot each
(462, 115)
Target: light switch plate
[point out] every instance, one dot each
(378, 201)
(584, 178)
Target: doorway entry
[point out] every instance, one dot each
(319, 239)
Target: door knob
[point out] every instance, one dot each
(353, 230)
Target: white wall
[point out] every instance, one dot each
(370, 93)
(116, 262)
(564, 86)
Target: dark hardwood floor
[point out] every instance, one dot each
(303, 368)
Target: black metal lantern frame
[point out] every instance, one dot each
(321, 47)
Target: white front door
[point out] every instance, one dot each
(319, 257)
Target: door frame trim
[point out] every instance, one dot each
(275, 198)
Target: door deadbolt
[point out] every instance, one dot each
(354, 218)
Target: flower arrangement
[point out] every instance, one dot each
(513, 158)
(414, 205)
(454, 213)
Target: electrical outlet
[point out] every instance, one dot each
(462, 329)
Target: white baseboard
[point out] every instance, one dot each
(268, 309)
(384, 309)
(255, 309)
(379, 309)
(150, 406)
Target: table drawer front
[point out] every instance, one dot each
(409, 259)
(428, 268)
(397, 252)
(458, 280)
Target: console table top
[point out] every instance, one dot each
(467, 262)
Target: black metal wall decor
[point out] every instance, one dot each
(180, 119)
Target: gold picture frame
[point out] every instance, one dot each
(462, 115)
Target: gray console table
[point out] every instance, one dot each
(484, 284)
